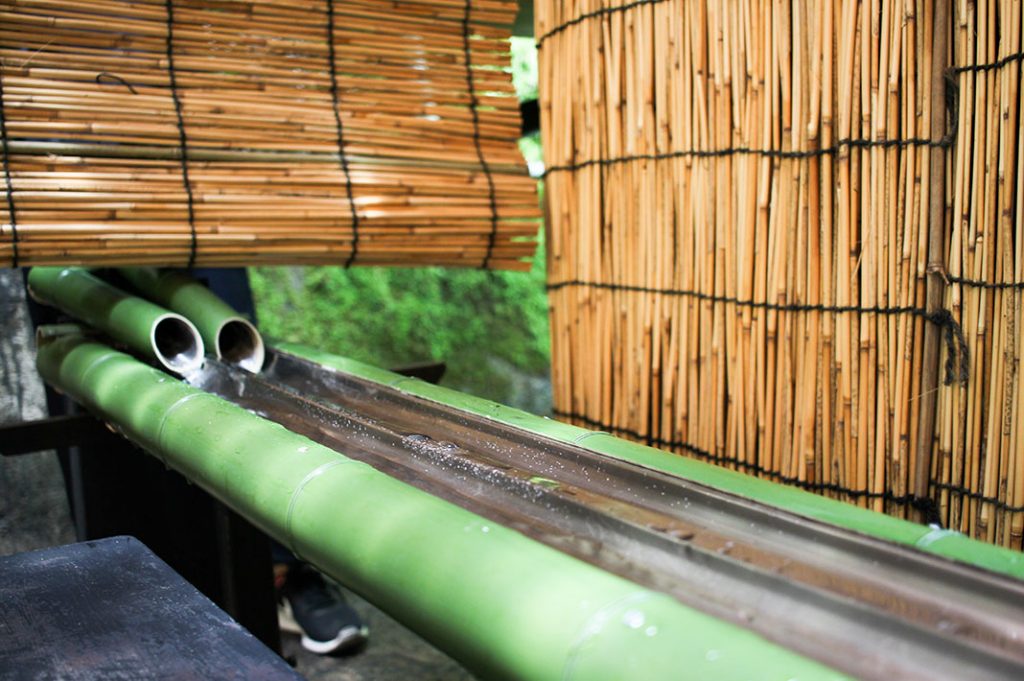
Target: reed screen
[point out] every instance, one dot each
(744, 243)
(241, 132)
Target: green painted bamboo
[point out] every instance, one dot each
(944, 543)
(148, 329)
(232, 337)
(499, 602)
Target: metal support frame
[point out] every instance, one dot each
(57, 432)
(112, 491)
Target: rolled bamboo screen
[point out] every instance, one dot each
(228, 132)
(741, 226)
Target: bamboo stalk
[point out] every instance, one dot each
(936, 235)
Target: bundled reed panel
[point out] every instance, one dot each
(216, 132)
(786, 237)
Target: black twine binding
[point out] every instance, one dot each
(926, 505)
(473, 104)
(182, 138)
(591, 15)
(7, 177)
(989, 66)
(959, 490)
(106, 75)
(977, 283)
(952, 92)
(336, 103)
(957, 354)
(832, 150)
(956, 345)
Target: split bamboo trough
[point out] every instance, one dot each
(241, 132)
(786, 236)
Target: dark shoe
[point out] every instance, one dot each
(328, 623)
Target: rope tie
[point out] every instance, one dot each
(962, 491)
(957, 353)
(336, 107)
(956, 345)
(794, 154)
(605, 11)
(1003, 62)
(106, 75)
(7, 177)
(182, 137)
(473, 104)
(977, 283)
(746, 466)
(927, 506)
(989, 66)
(952, 92)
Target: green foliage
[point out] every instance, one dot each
(524, 67)
(524, 76)
(530, 148)
(490, 327)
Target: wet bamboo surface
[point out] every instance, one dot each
(420, 100)
(738, 253)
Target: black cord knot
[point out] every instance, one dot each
(8, 183)
(957, 352)
(952, 96)
(927, 507)
(106, 75)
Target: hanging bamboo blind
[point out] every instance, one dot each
(236, 132)
(743, 241)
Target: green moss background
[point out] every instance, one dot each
(490, 328)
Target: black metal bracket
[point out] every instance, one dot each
(56, 432)
(431, 372)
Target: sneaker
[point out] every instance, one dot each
(328, 623)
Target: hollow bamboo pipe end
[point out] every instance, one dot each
(239, 343)
(177, 344)
(47, 333)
